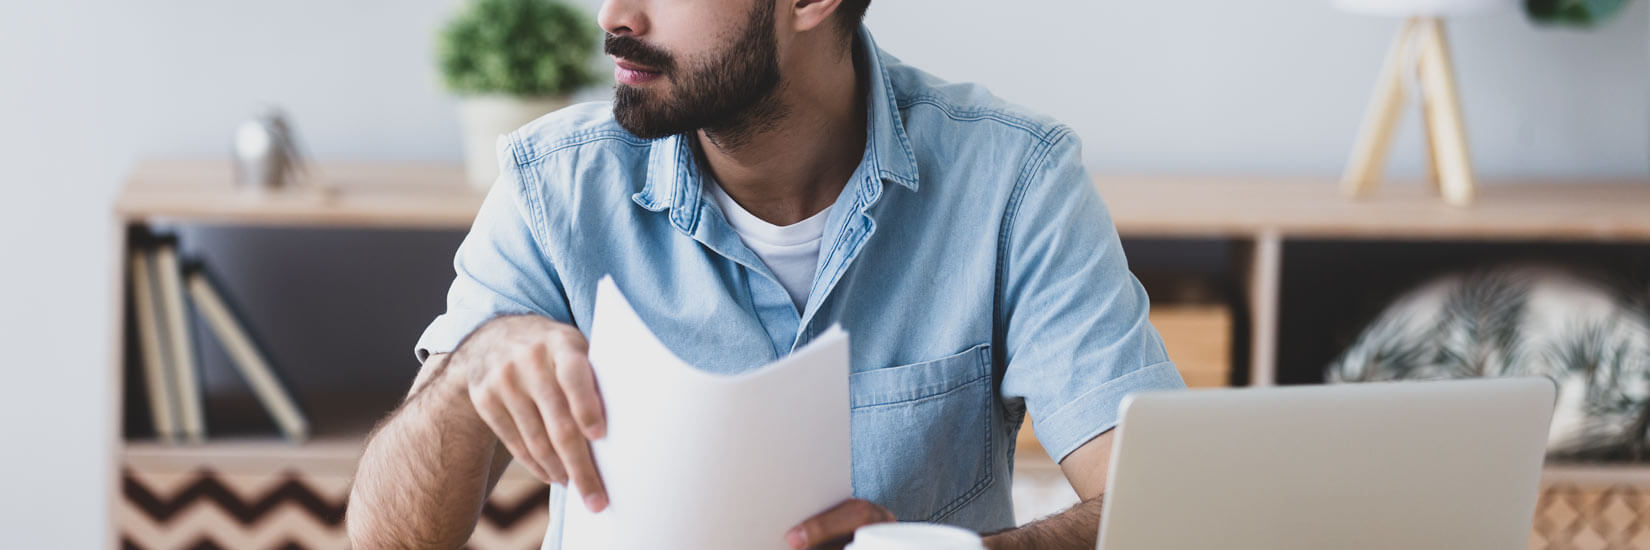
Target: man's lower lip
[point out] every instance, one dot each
(633, 77)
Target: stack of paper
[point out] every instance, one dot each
(694, 460)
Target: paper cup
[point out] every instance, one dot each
(914, 536)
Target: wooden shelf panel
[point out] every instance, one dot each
(1315, 208)
(338, 453)
(435, 195)
(333, 454)
(1596, 474)
(339, 422)
(390, 195)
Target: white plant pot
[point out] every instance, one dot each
(484, 118)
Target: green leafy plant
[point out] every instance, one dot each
(1573, 13)
(527, 48)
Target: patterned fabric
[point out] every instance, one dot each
(1588, 518)
(1591, 336)
(206, 509)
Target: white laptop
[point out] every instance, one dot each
(1411, 465)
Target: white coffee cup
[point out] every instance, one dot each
(914, 536)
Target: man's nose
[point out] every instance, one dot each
(623, 17)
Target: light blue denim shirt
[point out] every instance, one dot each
(969, 258)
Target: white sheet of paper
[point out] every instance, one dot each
(695, 460)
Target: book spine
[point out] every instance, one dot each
(185, 376)
(152, 347)
(247, 359)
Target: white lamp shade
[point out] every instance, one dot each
(1435, 8)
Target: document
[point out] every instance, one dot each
(700, 461)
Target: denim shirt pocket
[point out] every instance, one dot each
(922, 434)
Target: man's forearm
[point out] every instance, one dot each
(425, 470)
(1077, 528)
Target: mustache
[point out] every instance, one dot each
(636, 51)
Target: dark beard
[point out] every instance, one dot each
(731, 95)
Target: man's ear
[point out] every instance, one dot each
(808, 15)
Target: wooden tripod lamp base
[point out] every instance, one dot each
(1421, 52)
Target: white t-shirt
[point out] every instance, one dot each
(791, 252)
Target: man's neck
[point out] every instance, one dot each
(795, 166)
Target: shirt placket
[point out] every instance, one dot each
(694, 215)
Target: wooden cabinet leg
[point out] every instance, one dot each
(1261, 266)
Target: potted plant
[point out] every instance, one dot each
(1576, 13)
(512, 61)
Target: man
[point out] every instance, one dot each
(764, 172)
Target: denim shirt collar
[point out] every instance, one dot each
(674, 181)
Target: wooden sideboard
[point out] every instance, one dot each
(263, 492)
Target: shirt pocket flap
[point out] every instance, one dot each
(899, 384)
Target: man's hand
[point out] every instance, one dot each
(531, 382)
(835, 527)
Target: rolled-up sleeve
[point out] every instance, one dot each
(1075, 322)
(502, 266)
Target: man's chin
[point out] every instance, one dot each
(642, 113)
(643, 125)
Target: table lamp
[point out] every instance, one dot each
(1419, 54)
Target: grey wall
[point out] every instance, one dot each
(1278, 86)
(1202, 86)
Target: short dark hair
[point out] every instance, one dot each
(849, 15)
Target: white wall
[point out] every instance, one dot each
(1206, 86)
(1279, 86)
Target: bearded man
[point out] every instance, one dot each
(764, 172)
